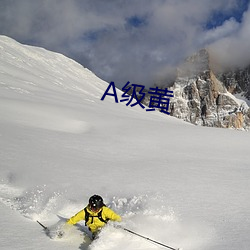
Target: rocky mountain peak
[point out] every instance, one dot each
(237, 81)
(205, 98)
(195, 64)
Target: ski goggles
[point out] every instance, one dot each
(94, 208)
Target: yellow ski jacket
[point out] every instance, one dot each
(94, 223)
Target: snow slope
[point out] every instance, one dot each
(176, 183)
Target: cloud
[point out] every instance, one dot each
(233, 49)
(228, 28)
(137, 41)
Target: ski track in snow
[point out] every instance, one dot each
(42, 116)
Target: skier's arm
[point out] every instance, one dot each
(77, 217)
(110, 214)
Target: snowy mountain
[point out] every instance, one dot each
(183, 185)
(237, 81)
(205, 97)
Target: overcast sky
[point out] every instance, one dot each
(131, 40)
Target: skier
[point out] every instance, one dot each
(95, 214)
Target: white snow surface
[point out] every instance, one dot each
(182, 185)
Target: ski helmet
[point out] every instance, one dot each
(95, 202)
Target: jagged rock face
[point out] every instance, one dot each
(237, 81)
(202, 99)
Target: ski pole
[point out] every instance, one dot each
(146, 238)
(45, 228)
